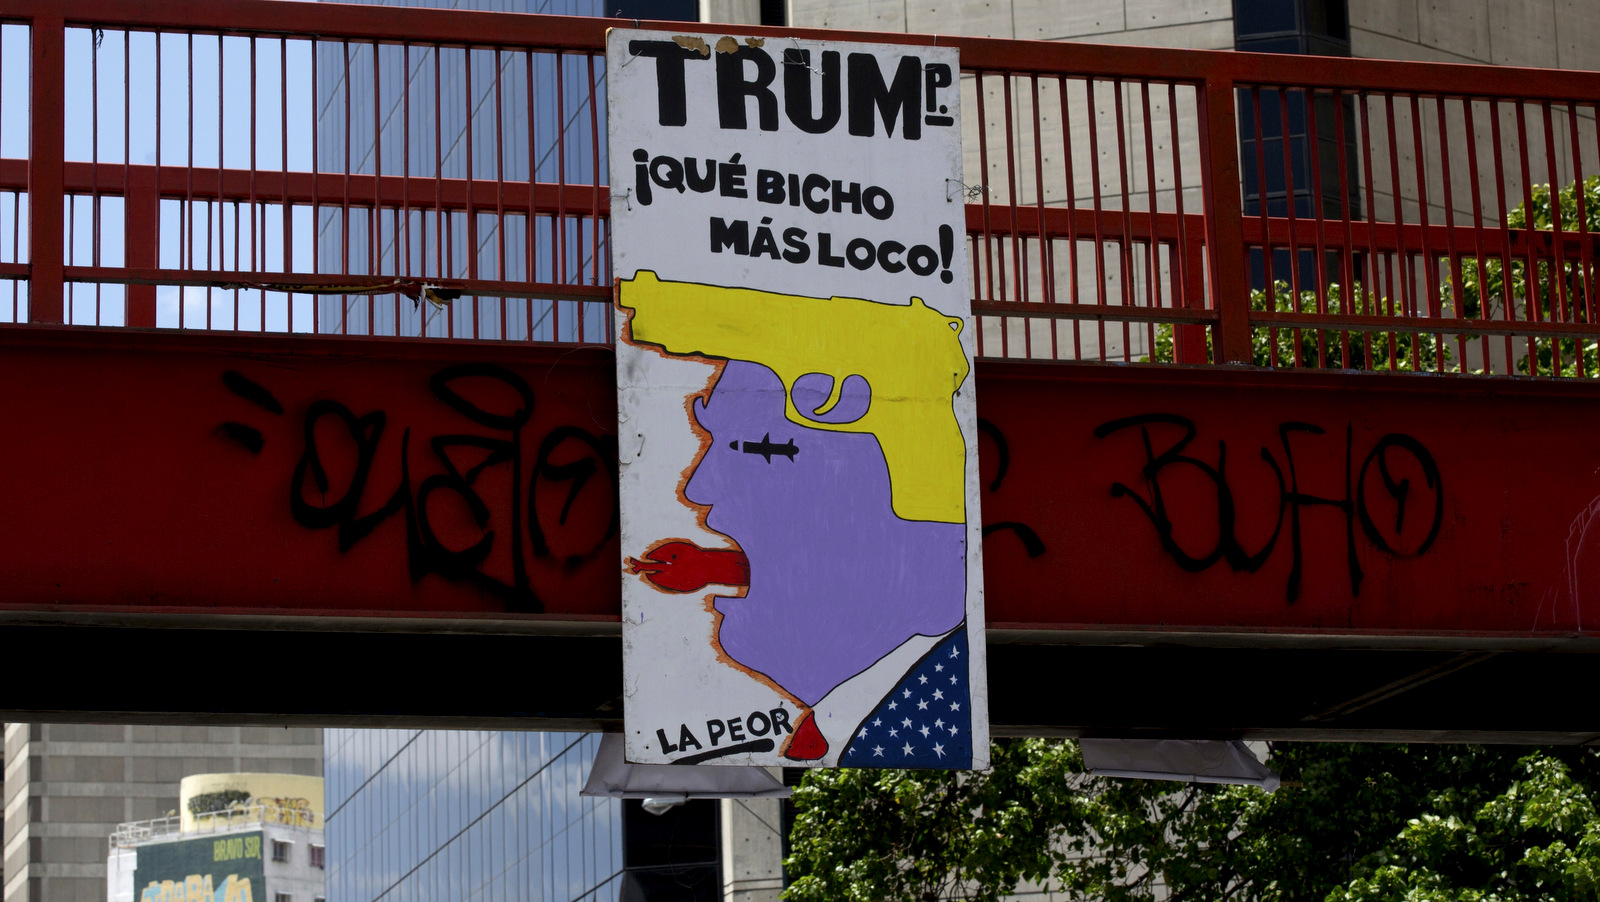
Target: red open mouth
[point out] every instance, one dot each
(685, 567)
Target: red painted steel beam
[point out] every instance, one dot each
(455, 27)
(169, 477)
(340, 283)
(1103, 312)
(271, 186)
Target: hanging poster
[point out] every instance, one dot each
(802, 583)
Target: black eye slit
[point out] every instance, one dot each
(767, 447)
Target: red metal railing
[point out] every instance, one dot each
(280, 166)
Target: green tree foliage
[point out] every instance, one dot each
(1558, 293)
(1561, 298)
(1352, 823)
(1323, 348)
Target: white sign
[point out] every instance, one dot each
(799, 473)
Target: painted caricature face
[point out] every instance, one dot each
(836, 580)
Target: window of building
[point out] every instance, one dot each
(282, 897)
(318, 857)
(280, 850)
(1290, 159)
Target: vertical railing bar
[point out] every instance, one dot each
(594, 195)
(1535, 299)
(316, 195)
(1407, 302)
(257, 235)
(1125, 257)
(983, 174)
(1099, 235)
(1046, 268)
(500, 190)
(374, 212)
(1018, 276)
(1293, 223)
(1558, 269)
(1504, 224)
(1430, 268)
(1477, 230)
(69, 305)
(1350, 294)
(1185, 347)
(1152, 246)
(1072, 211)
(344, 209)
(471, 220)
(215, 223)
(1385, 302)
(1451, 247)
(403, 228)
(1586, 256)
(94, 172)
(1320, 267)
(132, 314)
(560, 236)
(532, 263)
(1268, 257)
(442, 250)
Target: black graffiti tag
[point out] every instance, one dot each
(1356, 505)
(316, 503)
(1031, 543)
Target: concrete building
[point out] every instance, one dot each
(69, 786)
(237, 838)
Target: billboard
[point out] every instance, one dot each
(212, 869)
(797, 430)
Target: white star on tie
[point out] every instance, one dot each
(953, 730)
(952, 679)
(893, 733)
(892, 706)
(938, 749)
(852, 750)
(922, 679)
(906, 722)
(908, 749)
(938, 668)
(877, 751)
(906, 693)
(955, 652)
(876, 722)
(924, 731)
(939, 723)
(922, 704)
(955, 706)
(863, 733)
(937, 695)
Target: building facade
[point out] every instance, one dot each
(69, 786)
(236, 838)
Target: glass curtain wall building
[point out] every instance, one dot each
(422, 815)
(425, 815)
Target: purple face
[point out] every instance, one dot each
(837, 581)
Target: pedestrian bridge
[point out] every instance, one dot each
(1286, 385)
